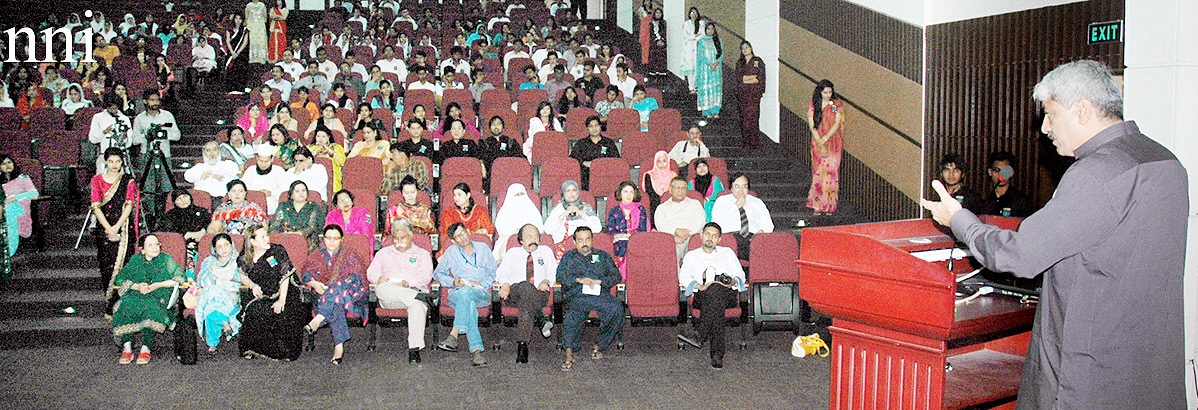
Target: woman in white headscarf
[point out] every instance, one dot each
(517, 211)
(129, 26)
(569, 214)
(616, 60)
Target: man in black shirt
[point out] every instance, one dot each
(952, 174)
(588, 83)
(417, 146)
(1005, 199)
(497, 145)
(591, 148)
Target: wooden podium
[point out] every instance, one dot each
(899, 340)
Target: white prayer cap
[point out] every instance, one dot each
(265, 150)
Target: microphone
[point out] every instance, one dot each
(1005, 173)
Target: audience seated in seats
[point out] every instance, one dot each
(349, 218)
(422, 83)
(570, 99)
(146, 284)
(328, 119)
(556, 81)
(203, 56)
(613, 101)
(458, 145)
(291, 66)
(703, 273)
(657, 180)
(407, 207)
(706, 184)
(392, 63)
(302, 102)
(478, 84)
(402, 167)
(453, 111)
(467, 269)
(186, 219)
(265, 97)
(624, 219)
(593, 147)
(337, 277)
(545, 120)
(267, 177)
(323, 146)
(449, 81)
(626, 85)
(313, 81)
(497, 144)
(283, 117)
(339, 97)
(236, 213)
(643, 105)
(74, 101)
(690, 149)
(518, 51)
(273, 321)
(517, 211)
(474, 217)
(526, 275)
(587, 276)
(285, 147)
(307, 170)
(279, 82)
(401, 273)
(372, 145)
(387, 98)
(742, 214)
(419, 145)
(532, 81)
(212, 172)
(219, 300)
(300, 215)
(346, 79)
(679, 215)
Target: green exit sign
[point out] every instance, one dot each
(1105, 32)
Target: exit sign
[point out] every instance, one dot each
(1105, 32)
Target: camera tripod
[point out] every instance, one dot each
(155, 182)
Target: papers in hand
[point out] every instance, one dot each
(937, 255)
(592, 290)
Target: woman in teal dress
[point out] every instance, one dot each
(706, 184)
(709, 73)
(219, 298)
(147, 284)
(643, 104)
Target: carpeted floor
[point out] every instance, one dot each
(649, 373)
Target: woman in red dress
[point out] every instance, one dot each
(277, 42)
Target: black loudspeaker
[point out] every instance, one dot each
(776, 306)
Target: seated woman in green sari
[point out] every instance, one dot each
(299, 215)
(146, 285)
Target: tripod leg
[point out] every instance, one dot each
(87, 223)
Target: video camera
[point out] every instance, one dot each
(157, 132)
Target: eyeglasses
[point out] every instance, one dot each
(332, 238)
(741, 186)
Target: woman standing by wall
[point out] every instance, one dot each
(825, 117)
(278, 31)
(646, 15)
(657, 43)
(255, 21)
(693, 29)
(750, 70)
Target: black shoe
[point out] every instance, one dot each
(414, 356)
(522, 352)
(717, 364)
(690, 339)
(335, 361)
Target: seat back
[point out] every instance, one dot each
(461, 96)
(510, 170)
(200, 198)
(772, 257)
(557, 170)
(360, 245)
(362, 173)
(174, 245)
(257, 197)
(295, 244)
(622, 122)
(665, 120)
(607, 174)
(576, 122)
(549, 144)
(462, 169)
(47, 119)
(369, 200)
(638, 146)
(652, 281)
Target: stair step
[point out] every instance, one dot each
(45, 304)
(55, 279)
(62, 331)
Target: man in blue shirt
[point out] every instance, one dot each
(467, 269)
(587, 276)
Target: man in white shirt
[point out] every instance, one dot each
(313, 80)
(742, 214)
(277, 82)
(212, 173)
(326, 66)
(154, 115)
(290, 65)
(449, 80)
(547, 69)
(267, 177)
(456, 60)
(518, 51)
(526, 279)
(691, 149)
(680, 216)
(392, 64)
(713, 275)
(351, 58)
(314, 175)
(422, 83)
(406, 15)
(540, 54)
(622, 81)
(110, 127)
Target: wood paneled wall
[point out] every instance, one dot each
(980, 76)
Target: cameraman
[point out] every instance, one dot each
(109, 128)
(154, 115)
(713, 275)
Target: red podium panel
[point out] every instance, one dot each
(896, 326)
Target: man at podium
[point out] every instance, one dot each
(1108, 333)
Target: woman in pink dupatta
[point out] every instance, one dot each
(628, 217)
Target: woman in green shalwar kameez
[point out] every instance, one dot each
(146, 284)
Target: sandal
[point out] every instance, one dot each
(126, 358)
(568, 364)
(596, 354)
(143, 358)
